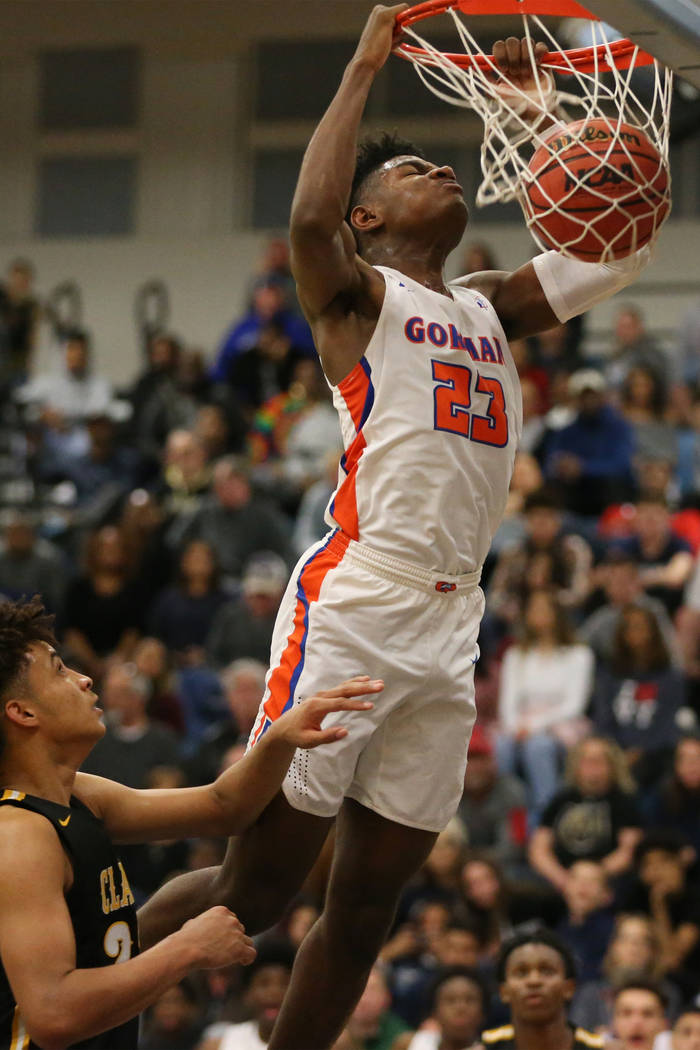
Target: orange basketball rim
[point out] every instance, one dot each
(622, 53)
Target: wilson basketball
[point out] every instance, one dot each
(597, 188)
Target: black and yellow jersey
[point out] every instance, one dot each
(101, 907)
(503, 1038)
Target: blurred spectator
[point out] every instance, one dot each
(633, 953)
(30, 565)
(244, 685)
(590, 459)
(133, 746)
(274, 264)
(638, 695)
(558, 349)
(619, 577)
(534, 426)
(529, 372)
(634, 347)
(686, 1030)
(220, 431)
(478, 256)
(589, 920)
(373, 1025)
(75, 393)
(526, 479)
(163, 352)
(546, 679)
(301, 916)
(142, 525)
(108, 468)
(19, 314)
(292, 435)
(266, 370)
(486, 896)
(185, 479)
(438, 879)
(665, 893)
(183, 613)
(174, 403)
(311, 525)
(104, 606)
(236, 523)
(264, 983)
(643, 403)
(493, 806)
(686, 356)
(675, 804)
(457, 1003)
(152, 660)
(175, 1020)
(549, 557)
(665, 560)
(593, 817)
(268, 303)
(639, 1014)
(243, 627)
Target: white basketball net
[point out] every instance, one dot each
(517, 122)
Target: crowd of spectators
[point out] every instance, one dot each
(159, 523)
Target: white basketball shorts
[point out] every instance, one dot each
(351, 610)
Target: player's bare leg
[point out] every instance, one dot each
(373, 860)
(264, 869)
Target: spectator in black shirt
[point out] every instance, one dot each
(594, 817)
(676, 802)
(103, 607)
(19, 313)
(665, 893)
(665, 560)
(266, 369)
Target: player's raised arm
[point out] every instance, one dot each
(240, 794)
(324, 258)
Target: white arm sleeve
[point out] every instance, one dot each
(572, 286)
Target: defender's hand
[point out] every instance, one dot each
(217, 939)
(301, 727)
(379, 35)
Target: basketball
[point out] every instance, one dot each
(597, 188)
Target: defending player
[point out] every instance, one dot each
(430, 408)
(66, 909)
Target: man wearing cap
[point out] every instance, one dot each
(493, 806)
(243, 628)
(237, 523)
(590, 460)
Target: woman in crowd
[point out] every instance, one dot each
(633, 953)
(545, 682)
(639, 694)
(675, 804)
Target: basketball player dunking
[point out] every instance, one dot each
(429, 403)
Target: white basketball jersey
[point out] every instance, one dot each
(431, 418)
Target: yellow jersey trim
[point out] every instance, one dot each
(492, 1035)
